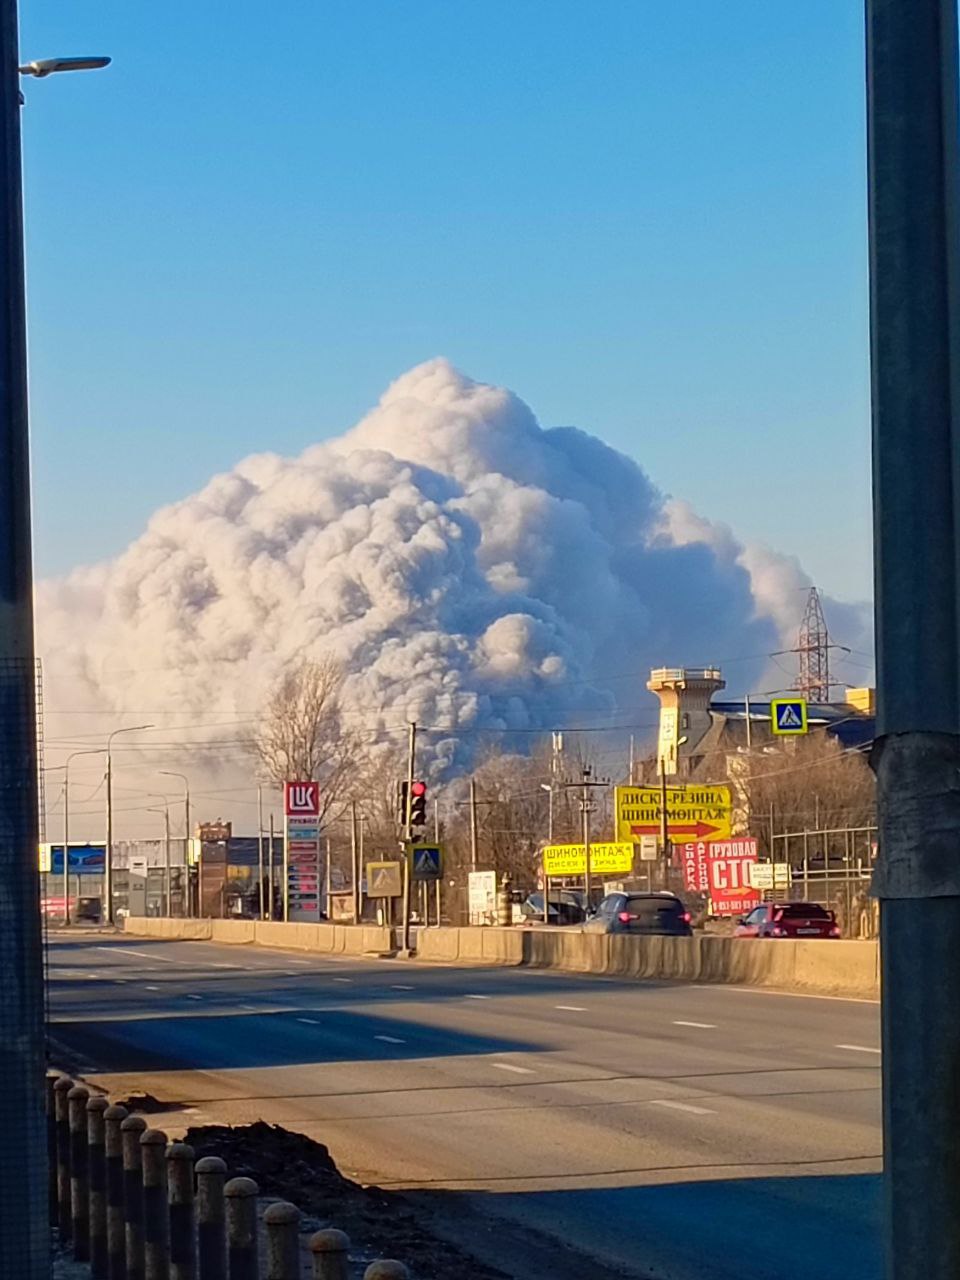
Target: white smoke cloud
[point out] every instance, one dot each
(470, 569)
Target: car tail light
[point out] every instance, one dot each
(624, 917)
(835, 931)
(778, 932)
(686, 917)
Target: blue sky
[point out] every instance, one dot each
(646, 219)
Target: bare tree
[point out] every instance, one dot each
(302, 735)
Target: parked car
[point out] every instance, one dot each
(641, 913)
(788, 920)
(565, 907)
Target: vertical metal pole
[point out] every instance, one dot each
(166, 860)
(587, 882)
(260, 844)
(271, 888)
(746, 708)
(473, 824)
(408, 832)
(285, 887)
(915, 346)
(664, 825)
(632, 765)
(106, 909)
(66, 843)
(24, 1240)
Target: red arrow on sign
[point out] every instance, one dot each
(698, 829)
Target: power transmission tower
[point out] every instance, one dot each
(813, 646)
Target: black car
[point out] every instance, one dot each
(641, 913)
(565, 907)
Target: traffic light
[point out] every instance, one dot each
(402, 804)
(418, 805)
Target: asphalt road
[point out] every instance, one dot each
(661, 1130)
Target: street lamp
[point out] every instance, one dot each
(49, 66)
(90, 751)
(188, 896)
(24, 1245)
(108, 853)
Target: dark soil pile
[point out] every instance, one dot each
(295, 1168)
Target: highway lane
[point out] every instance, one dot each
(663, 1129)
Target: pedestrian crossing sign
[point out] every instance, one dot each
(788, 716)
(426, 861)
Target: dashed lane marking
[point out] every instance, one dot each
(571, 1008)
(313, 1022)
(509, 1066)
(682, 1106)
(858, 1048)
(390, 1039)
(705, 1026)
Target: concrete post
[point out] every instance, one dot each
(97, 1181)
(131, 1131)
(331, 1254)
(386, 1269)
(282, 1223)
(52, 1207)
(79, 1188)
(60, 1091)
(211, 1242)
(113, 1118)
(153, 1147)
(240, 1198)
(183, 1254)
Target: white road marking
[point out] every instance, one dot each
(858, 1048)
(144, 955)
(706, 1026)
(399, 986)
(194, 997)
(224, 964)
(314, 1022)
(571, 1008)
(343, 979)
(151, 988)
(249, 1006)
(476, 997)
(508, 1066)
(766, 991)
(682, 1106)
(389, 1039)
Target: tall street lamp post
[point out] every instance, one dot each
(108, 852)
(24, 1241)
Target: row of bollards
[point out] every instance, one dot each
(137, 1207)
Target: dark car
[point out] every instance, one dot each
(565, 907)
(641, 913)
(788, 920)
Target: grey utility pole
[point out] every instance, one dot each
(912, 90)
(260, 845)
(408, 832)
(90, 751)
(473, 824)
(24, 1240)
(107, 906)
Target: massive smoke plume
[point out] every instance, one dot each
(468, 567)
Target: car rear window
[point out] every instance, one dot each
(803, 911)
(653, 906)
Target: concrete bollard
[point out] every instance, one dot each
(156, 1257)
(113, 1118)
(131, 1131)
(97, 1182)
(60, 1091)
(282, 1224)
(386, 1269)
(53, 1208)
(79, 1188)
(183, 1255)
(211, 1233)
(240, 1198)
(331, 1254)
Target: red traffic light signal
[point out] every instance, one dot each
(418, 804)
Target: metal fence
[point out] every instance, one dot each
(833, 866)
(134, 1206)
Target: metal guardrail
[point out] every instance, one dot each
(135, 1206)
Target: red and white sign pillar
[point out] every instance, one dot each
(302, 887)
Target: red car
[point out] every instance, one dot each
(788, 920)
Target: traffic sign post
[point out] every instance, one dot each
(788, 717)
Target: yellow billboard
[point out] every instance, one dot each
(605, 859)
(700, 811)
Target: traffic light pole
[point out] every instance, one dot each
(912, 91)
(408, 832)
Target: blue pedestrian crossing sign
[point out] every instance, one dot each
(426, 861)
(788, 716)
